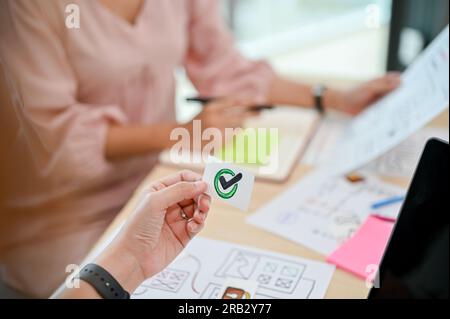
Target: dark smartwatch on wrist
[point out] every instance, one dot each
(103, 282)
(318, 93)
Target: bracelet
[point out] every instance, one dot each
(103, 282)
(318, 92)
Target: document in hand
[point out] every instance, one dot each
(423, 95)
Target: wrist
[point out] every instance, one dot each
(122, 265)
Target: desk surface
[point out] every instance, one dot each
(227, 224)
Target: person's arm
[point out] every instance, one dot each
(120, 264)
(70, 135)
(85, 138)
(170, 213)
(126, 141)
(288, 92)
(352, 101)
(123, 141)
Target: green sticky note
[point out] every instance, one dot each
(251, 146)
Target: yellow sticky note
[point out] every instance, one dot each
(251, 146)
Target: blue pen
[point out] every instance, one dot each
(389, 201)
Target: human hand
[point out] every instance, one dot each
(355, 100)
(226, 113)
(169, 214)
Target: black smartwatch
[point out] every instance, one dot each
(318, 92)
(103, 282)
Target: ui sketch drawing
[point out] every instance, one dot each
(321, 211)
(206, 264)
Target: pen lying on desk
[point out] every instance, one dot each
(387, 202)
(206, 100)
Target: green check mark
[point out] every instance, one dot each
(230, 185)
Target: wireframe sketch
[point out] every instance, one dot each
(169, 280)
(323, 211)
(207, 264)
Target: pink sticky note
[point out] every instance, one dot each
(364, 249)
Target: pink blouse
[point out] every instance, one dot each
(74, 83)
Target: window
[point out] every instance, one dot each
(339, 39)
(295, 23)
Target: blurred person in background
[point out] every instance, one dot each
(17, 173)
(170, 212)
(99, 104)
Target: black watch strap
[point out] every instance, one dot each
(103, 282)
(318, 92)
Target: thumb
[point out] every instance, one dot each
(176, 193)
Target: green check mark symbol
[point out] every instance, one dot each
(230, 185)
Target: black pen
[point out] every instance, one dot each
(206, 100)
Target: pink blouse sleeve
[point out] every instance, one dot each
(213, 63)
(71, 134)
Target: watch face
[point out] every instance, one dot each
(318, 97)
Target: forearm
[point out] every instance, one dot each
(128, 141)
(120, 264)
(84, 291)
(284, 91)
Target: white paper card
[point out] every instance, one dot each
(229, 183)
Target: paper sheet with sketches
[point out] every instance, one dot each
(321, 212)
(423, 95)
(207, 266)
(401, 161)
(328, 134)
(404, 158)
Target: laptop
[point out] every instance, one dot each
(416, 261)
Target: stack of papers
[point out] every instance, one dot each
(321, 211)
